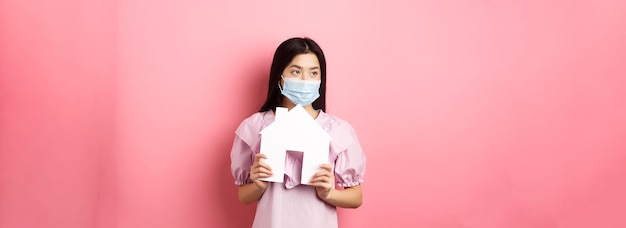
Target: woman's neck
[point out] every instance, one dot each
(309, 108)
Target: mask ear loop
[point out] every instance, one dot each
(279, 87)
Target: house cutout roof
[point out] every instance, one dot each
(294, 130)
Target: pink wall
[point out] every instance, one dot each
(57, 118)
(472, 114)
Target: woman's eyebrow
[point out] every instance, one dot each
(299, 67)
(296, 66)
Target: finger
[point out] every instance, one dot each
(326, 167)
(264, 165)
(323, 179)
(317, 182)
(322, 173)
(320, 185)
(260, 170)
(258, 157)
(265, 171)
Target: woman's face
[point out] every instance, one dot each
(304, 67)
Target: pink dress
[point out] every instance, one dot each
(291, 204)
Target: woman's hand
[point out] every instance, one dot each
(259, 170)
(324, 181)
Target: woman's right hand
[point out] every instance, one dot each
(260, 170)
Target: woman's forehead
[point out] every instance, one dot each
(305, 61)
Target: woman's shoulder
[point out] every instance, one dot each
(341, 132)
(255, 117)
(333, 123)
(253, 123)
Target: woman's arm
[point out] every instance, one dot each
(324, 182)
(350, 197)
(250, 193)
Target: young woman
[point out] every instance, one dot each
(298, 76)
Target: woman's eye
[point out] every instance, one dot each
(295, 72)
(314, 73)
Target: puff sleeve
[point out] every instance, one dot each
(241, 158)
(350, 161)
(245, 146)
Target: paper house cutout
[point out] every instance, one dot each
(294, 130)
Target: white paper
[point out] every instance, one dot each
(294, 130)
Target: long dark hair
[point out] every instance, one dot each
(285, 52)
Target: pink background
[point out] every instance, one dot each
(472, 113)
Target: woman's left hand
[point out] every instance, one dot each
(324, 181)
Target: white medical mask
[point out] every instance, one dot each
(302, 92)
